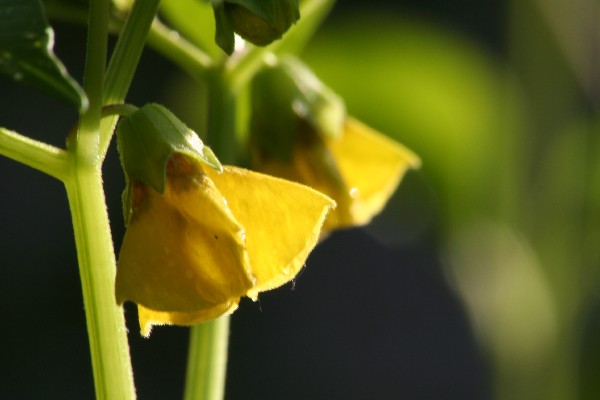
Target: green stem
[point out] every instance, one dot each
(221, 127)
(207, 360)
(105, 321)
(185, 54)
(124, 61)
(41, 156)
(107, 332)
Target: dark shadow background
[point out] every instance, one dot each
(364, 320)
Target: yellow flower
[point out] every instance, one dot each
(360, 169)
(190, 253)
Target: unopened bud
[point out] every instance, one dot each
(258, 21)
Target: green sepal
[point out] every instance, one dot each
(126, 201)
(258, 21)
(224, 35)
(274, 125)
(149, 137)
(290, 104)
(324, 109)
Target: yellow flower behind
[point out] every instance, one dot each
(190, 253)
(360, 169)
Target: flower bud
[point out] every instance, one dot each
(258, 21)
(300, 131)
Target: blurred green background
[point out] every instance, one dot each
(479, 280)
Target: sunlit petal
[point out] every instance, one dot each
(282, 221)
(371, 166)
(183, 250)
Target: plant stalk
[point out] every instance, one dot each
(106, 328)
(124, 62)
(107, 333)
(207, 360)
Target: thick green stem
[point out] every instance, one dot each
(107, 332)
(105, 321)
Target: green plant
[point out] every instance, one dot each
(172, 173)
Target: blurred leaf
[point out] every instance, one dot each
(26, 42)
(557, 213)
(504, 287)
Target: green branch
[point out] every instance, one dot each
(41, 156)
(124, 62)
(176, 48)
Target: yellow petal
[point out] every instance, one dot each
(282, 220)
(371, 166)
(314, 166)
(360, 170)
(149, 318)
(183, 251)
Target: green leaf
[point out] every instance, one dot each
(26, 42)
